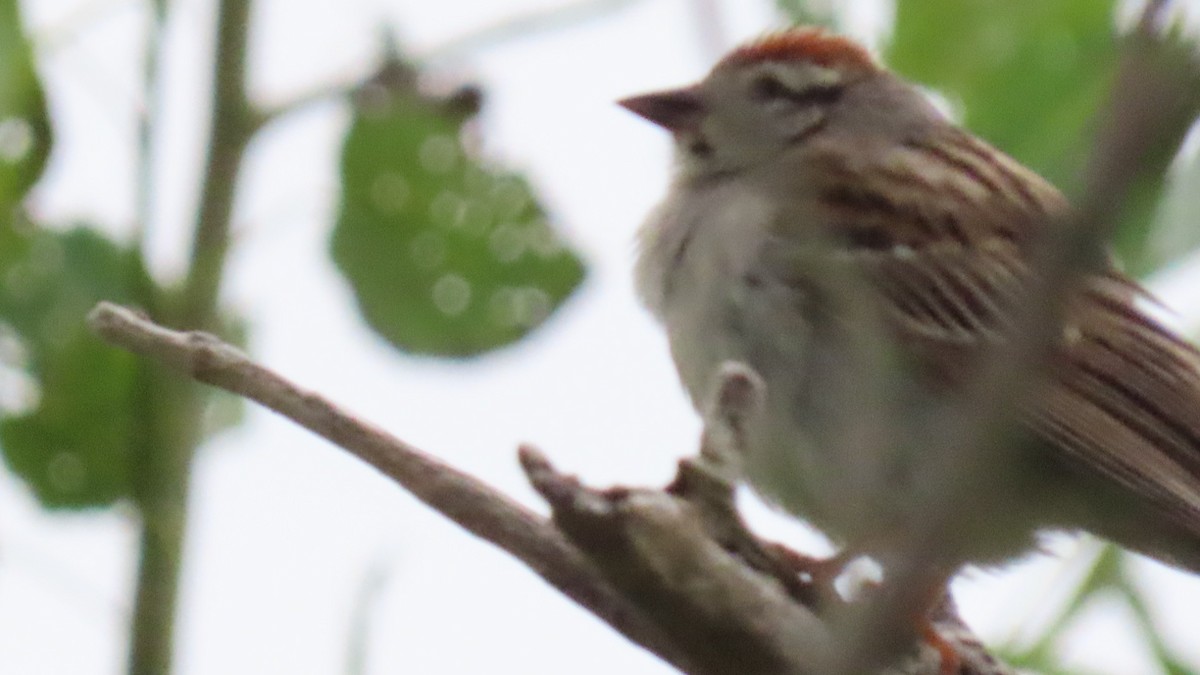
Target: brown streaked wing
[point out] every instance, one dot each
(939, 227)
(949, 188)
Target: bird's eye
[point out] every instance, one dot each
(769, 88)
(700, 147)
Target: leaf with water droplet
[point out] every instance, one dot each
(448, 255)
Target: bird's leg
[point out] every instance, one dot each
(713, 498)
(930, 610)
(939, 607)
(820, 573)
(708, 483)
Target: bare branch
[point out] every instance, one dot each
(734, 603)
(674, 571)
(524, 25)
(475, 506)
(653, 547)
(261, 117)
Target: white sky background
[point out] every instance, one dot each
(285, 529)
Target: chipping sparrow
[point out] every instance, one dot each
(828, 227)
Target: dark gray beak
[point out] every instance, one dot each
(674, 110)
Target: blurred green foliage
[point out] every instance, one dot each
(1109, 576)
(24, 126)
(1029, 77)
(1026, 75)
(69, 437)
(447, 255)
(73, 446)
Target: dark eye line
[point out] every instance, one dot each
(769, 87)
(818, 95)
(700, 147)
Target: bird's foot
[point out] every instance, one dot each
(948, 659)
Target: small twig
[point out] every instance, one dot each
(331, 92)
(148, 122)
(232, 127)
(525, 25)
(653, 547)
(508, 29)
(1152, 16)
(475, 506)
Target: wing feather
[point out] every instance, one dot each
(1122, 396)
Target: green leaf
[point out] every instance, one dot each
(1029, 74)
(1030, 77)
(72, 443)
(447, 255)
(24, 126)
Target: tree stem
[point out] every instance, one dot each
(174, 407)
(231, 130)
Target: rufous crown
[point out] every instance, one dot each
(803, 44)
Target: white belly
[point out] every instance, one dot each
(697, 273)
